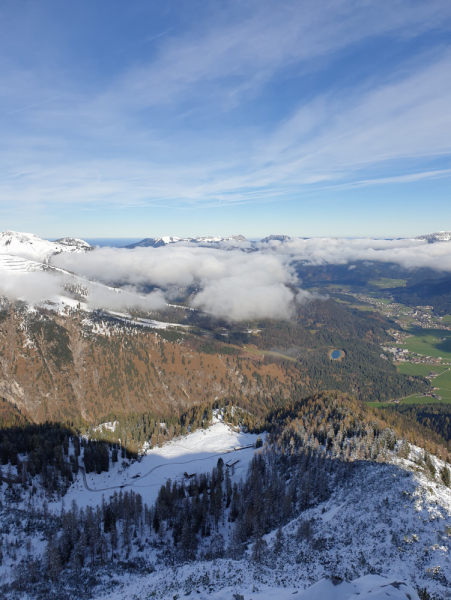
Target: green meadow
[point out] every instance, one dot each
(429, 342)
(381, 300)
(420, 370)
(442, 382)
(385, 282)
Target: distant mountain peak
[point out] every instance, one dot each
(432, 238)
(32, 247)
(70, 241)
(167, 239)
(275, 238)
(236, 238)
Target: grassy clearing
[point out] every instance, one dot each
(339, 286)
(443, 383)
(414, 399)
(426, 400)
(447, 319)
(257, 352)
(385, 282)
(420, 370)
(444, 379)
(430, 342)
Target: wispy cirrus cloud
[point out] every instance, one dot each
(187, 124)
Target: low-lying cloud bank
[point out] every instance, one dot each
(227, 282)
(230, 284)
(32, 287)
(123, 299)
(41, 286)
(246, 285)
(338, 251)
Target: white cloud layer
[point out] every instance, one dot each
(124, 299)
(231, 284)
(409, 254)
(246, 285)
(41, 286)
(227, 282)
(32, 287)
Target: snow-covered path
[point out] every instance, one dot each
(199, 450)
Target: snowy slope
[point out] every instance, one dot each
(29, 245)
(275, 238)
(197, 452)
(380, 588)
(373, 587)
(386, 525)
(74, 243)
(17, 264)
(73, 290)
(385, 532)
(152, 323)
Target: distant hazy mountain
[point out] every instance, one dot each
(74, 242)
(432, 238)
(275, 238)
(165, 240)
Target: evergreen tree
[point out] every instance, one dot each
(278, 543)
(260, 546)
(445, 476)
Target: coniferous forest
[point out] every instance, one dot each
(312, 448)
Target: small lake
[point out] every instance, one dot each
(336, 354)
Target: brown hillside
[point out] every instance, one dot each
(54, 368)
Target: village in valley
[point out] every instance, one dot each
(421, 343)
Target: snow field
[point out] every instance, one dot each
(31, 246)
(386, 523)
(198, 452)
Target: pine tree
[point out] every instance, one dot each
(228, 488)
(260, 546)
(52, 559)
(445, 476)
(278, 543)
(236, 547)
(429, 464)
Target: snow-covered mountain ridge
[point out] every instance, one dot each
(30, 246)
(431, 238)
(75, 243)
(165, 240)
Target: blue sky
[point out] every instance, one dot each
(138, 119)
